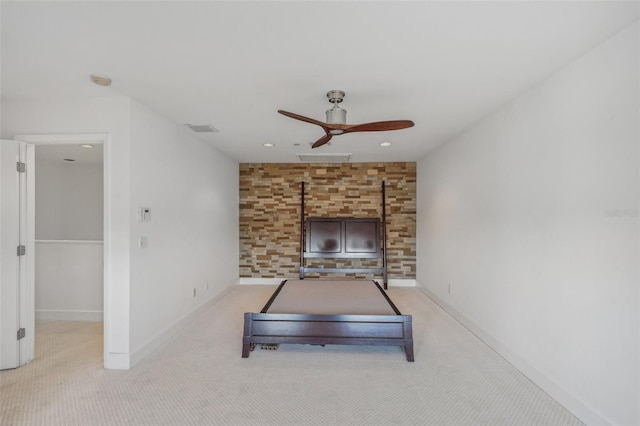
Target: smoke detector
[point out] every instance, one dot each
(101, 80)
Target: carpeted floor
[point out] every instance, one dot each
(199, 378)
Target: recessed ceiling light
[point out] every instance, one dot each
(385, 144)
(86, 145)
(268, 145)
(101, 80)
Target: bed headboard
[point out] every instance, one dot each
(350, 238)
(342, 237)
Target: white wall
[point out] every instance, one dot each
(69, 280)
(69, 200)
(518, 215)
(192, 192)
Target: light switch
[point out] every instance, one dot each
(143, 243)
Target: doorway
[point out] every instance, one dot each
(69, 253)
(69, 221)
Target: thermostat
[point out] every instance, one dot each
(144, 214)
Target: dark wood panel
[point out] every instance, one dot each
(327, 329)
(343, 256)
(344, 270)
(361, 236)
(324, 236)
(316, 317)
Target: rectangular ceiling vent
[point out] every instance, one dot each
(202, 128)
(324, 158)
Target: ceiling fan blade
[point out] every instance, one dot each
(380, 126)
(323, 140)
(303, 118)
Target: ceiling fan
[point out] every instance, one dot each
(337, 118)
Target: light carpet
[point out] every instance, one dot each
(199, 378)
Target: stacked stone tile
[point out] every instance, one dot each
(270, 213)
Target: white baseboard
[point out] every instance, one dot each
(578, 408)
(263, 281)
(276, 281)
(68, 315)
(113, 361)
(152, 344)
(401, 282)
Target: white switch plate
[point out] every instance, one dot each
(143, 243)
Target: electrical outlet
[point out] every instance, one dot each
(206, 285)
(449, 288)
(194, 292)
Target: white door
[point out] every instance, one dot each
(12, 266)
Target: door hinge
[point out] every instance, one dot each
(21, 167)
(21, 333)
(22, 250)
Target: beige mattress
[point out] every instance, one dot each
(328, 297)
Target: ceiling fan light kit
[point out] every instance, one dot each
(337, 119)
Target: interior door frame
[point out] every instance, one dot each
(27, 300)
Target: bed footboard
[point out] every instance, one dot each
(377, 330)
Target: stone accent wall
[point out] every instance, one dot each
(270, 213)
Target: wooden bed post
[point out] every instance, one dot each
(302, 230)
(384, 238)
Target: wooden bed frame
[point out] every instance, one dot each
(334, 238)
(375, 330)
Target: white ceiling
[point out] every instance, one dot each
(444, 65)
(75, 151)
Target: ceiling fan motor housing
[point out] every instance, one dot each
(336, 115)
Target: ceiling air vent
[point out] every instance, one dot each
(324, 158)
(202, 128)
